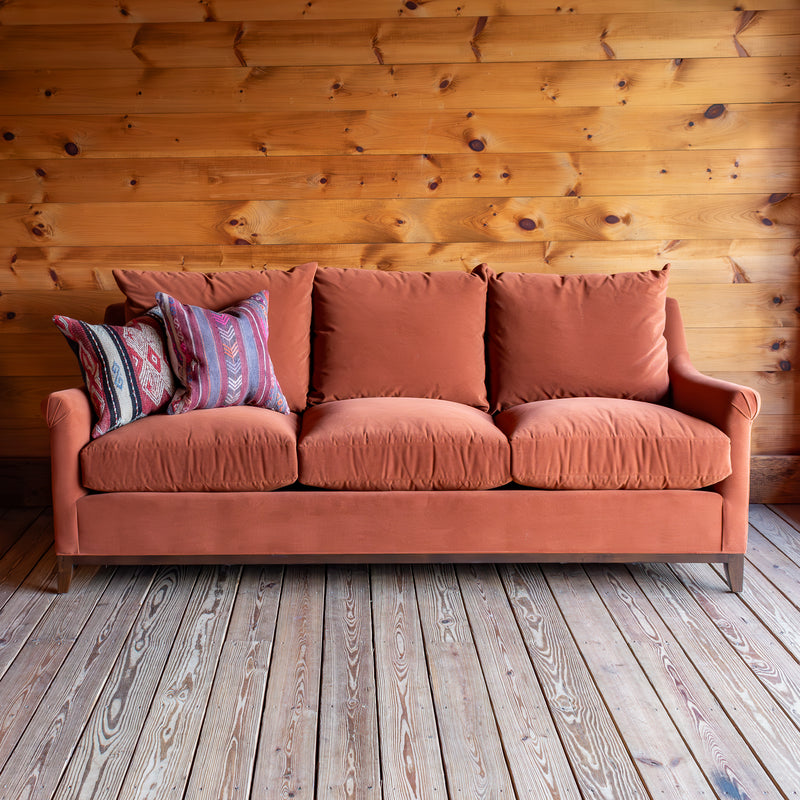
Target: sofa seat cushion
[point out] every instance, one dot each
(608, 443)
(236, 449)
(401, 443)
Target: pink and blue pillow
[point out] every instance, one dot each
(220, 358)
(125, 368)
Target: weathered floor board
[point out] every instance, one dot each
(395, 682)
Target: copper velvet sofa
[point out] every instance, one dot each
(434, 416)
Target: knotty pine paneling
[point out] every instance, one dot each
(230, 134)
(545, 85)
(677, 172)
(402, 40)
(46, 12)
(507, 131)
(405, 220)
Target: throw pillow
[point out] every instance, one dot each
(125, 368)
(289, 309)
(552, 336)
(221, 357)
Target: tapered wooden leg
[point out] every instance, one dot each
(734, 572)
(64, 573)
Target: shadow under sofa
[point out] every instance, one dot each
(280, 519)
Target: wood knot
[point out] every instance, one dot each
(786, 365)
(477, 145)
(527, 224)
(241, 241)
(768, 222)
(411, 5)
(777, 197)
(612, 219)
(714, 111)
(444, 83)
(8, 136)
(40, 172)
(71, 149)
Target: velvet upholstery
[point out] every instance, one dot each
(233, 449)
(308, 524)
(399, 334)
(401, 443)
(500, 524)
(553, 336)
(607, 443)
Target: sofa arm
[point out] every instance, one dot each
(68, 414)
(732, 409)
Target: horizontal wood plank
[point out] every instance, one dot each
(401, 40)
(289, 132)
(749, 349)
(542, 84)
(774, 479)
(778, 434)
(711, 261)
(43, 12)
(371, 176)
(407, 220)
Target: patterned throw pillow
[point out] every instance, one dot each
(125, 369)
(221, 357)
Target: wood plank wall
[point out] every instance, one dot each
(601, 135)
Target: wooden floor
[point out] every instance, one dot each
(391, 682)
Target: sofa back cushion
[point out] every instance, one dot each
(552, 336)
(289, 310)
(399, 334)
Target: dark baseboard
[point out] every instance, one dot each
(26, 481)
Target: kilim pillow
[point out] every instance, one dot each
(126, 369)
(221, 357)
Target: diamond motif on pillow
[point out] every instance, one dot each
(125, 369)
(221, 357)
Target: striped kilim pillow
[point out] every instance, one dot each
(221, 357)
(126, 369)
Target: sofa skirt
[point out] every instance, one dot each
(319, 526)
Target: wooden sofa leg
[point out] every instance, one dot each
(64, 573)
(734, 572)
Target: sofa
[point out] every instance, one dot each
(402, 416)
